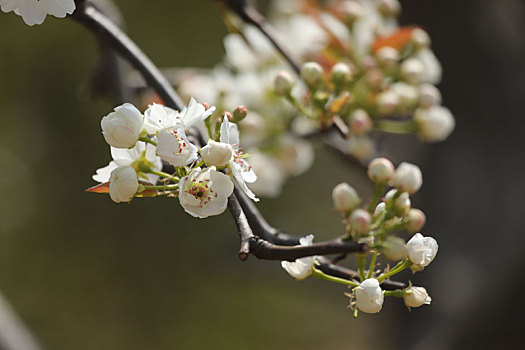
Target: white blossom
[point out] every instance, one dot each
(435, 123)
(429, 95)
(360, 221)
(431, 67)
(216, 153)
(126, 156)
(394, 248)
(122, 128)
(174, 147)
(35, 11)
(312, 73)
(414, 220)
(301, 268)
(421, 251)
(369, 296)
(380, 170)
(295, 156)
(241, 170)
(205, 192)
(123, 184)
(407, 178)
(345, 198)
(416, 297)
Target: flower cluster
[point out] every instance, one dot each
(35, 11)
(374, 76)
(200, 178)
(375, 224)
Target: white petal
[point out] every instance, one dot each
(103, 174)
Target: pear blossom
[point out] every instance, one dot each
(429, 95)
(241, 170)
(301, 268)
(380, 170)
(295, 155)
(369, 296)
(360, 122)
(408, 178)
(421, 251)
(435, 123)
(345, 198)
(431, 67)
(394, 248)
(360, 220)
(170, 127)
(35, 11)
(415, 220)
(122, 127)
(312, 73)
(122, 157)
(401, 204)
(205, 192)
(216, 153)
(123, 184)
(416, 297)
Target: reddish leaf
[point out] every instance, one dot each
(100, 188)
(398, 40)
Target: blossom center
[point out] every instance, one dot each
(201, 190)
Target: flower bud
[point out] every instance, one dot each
(345, 198)
(421, 251)
(239, 113)
(408, 178)
(216, 153)
(340, 73)
(380, 209)
(312, 73)
(434, 124)
(123, 184)
(429, 95)
(374, 77)
(359, 123)
(389, 8)
(369, 296)
(284, 83)
(320, 99)
(387, 102)
(408, 95)
(380, 170)
(360, 221)
(387, 56)
(412, 71)
(351, 11)
(122, 128)
(394, 248)
(415, 220)
(401, 205)
(420, 38)
(361, 147)
(416, 297)
(228, 115)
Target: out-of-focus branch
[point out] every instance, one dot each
(13, 334)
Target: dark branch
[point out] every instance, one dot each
(268, 251)
(105, 29)
(243, 227)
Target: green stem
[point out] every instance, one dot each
(397, 269)
(398, 293)
(165, 175)
(148, 140)
(361, 267)
(396, 127)
(321, 275)
(299, 106)
(378, 193)
(372, 265)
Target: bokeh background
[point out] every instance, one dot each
(85, 273)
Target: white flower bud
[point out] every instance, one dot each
(312, 73)
(401, 204)
(360, 221)
(408, 95)
(361, 147)
(387, 56)
(345, 198)
(420, 38)
(216, 153)
(387, 102)
(412, 71)
(380, 209)
(421, 251)
(389, 8)
(301, 268)
(369, 296)
(284, 82)
(123, 184)
(408, 178)
(394, 248)
(416, 297)
(429, 95)
(415, 220)
(122, 128)
(351, 10)
(340, 73)
(380, 170)
(434, 124)
(359, 123)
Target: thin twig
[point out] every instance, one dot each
(243, 227)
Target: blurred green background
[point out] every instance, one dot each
(86, 273)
